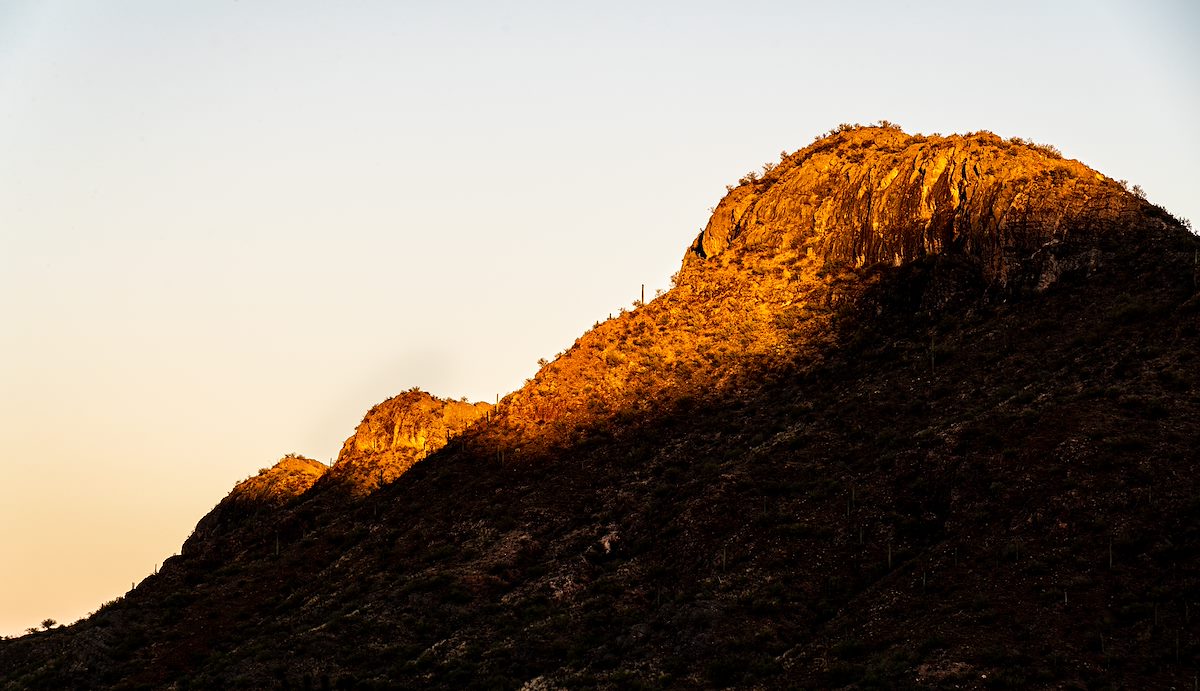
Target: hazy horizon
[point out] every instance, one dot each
(228, 229)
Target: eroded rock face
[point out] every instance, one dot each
(876, 195)
(397, 433)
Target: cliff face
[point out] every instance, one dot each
(918, 412)
(274, 486)
(876, 195)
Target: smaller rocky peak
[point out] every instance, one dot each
(414, 420)
(257, 495)
(399, 432)
(290, 477)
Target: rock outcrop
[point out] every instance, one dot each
(870, 195)
(287, 479)
(397, 433)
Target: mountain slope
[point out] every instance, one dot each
(919, 411)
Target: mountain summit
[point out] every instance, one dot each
(917, 412)
(874, 195)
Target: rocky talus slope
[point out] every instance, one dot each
(919, 412)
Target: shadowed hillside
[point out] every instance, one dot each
(918, 412)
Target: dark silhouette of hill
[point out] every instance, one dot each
(919, 412)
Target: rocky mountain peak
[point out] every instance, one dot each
(271, 488)
(788, 253)
(288, 478)
(870, 195)
(397, 433)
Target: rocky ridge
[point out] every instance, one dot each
(784, 253)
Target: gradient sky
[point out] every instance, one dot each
(229, 228)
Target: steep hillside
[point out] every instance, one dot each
(986, 220)
(919, 412)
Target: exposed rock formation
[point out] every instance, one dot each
(287, 479)
(874, 194)
(397, 433)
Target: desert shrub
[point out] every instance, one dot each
(749, 178)
(1048, 149)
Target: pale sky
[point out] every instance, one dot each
(229, 228)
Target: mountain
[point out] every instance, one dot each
(918, 412)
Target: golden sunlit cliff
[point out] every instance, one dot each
(876, 195)
(397, 433)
